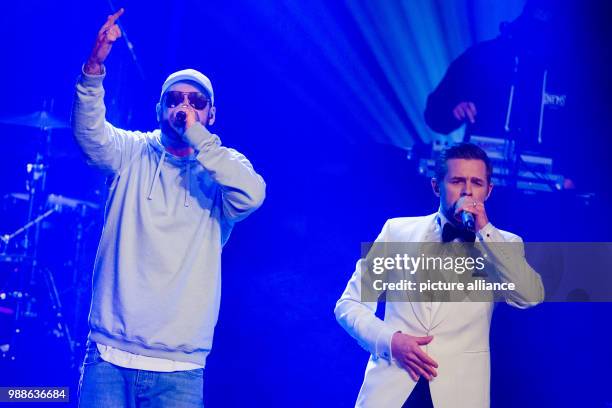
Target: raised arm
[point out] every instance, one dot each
(103, 145)
(108, 34)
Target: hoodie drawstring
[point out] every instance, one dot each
(188, 187)
(157, 171)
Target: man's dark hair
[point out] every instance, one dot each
(468, 151)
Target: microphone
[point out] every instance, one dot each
(180, 118)
(467, 219)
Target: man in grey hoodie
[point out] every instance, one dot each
(175, 194)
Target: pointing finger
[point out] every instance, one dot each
(112, 18)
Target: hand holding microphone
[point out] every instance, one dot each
(180, 119)
(472, 213)
(183, 119)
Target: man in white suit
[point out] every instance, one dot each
(446, 344)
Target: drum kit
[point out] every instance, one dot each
(33, 287)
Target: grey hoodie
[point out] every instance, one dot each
(157, 273)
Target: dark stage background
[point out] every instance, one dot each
(304, 92)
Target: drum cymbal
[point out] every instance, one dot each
(40, 119)
(17, 196)
(55, 200)
(71, 203)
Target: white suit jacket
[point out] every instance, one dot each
(460, 330)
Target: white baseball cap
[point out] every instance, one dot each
(189, 75)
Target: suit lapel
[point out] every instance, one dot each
(430, 232)
(427, 233)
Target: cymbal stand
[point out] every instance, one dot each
(36, 187)
(61, 328)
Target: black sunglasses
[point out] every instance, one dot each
(197, 100)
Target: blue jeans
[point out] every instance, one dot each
(106, 385)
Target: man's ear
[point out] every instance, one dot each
(212, 115)
(158, 112)
(435, 186)
(490, 189)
